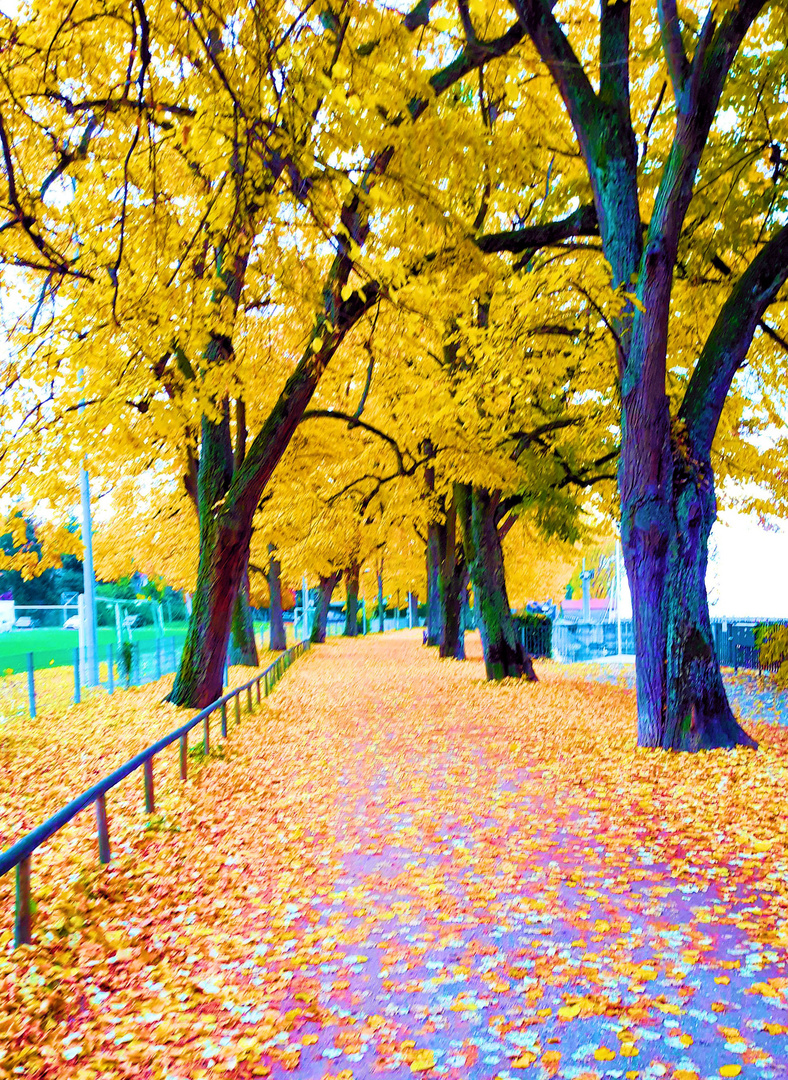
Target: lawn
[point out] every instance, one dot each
(54, 647)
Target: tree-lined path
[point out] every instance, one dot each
(396, 868)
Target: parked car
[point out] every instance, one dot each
(72, 623)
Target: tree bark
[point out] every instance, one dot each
(452, 583)
(243, 647)
(504, 656)
(413, 610)
(434, 554)
(692, 711)
(277, 641)
(351, 591)
(381, 607)
(327, 585)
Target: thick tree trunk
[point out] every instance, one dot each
(381, 606)
(682, 703)
(243, 647)
(504, 656)
(351, 592)
(223, 557)
(277, 640)
(326, 591)
(452, 584)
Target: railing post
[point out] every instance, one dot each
(31, 686)
(248, 699)
(77, 694)
(23, 915)
(110, 670)
(259, 697)
(224, 719)
(238, 708)
(150, 804)
(103, 829)
(206, 734)
(184, 741)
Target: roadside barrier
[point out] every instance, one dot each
(19, 854)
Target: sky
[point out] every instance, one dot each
(750, 577)
(748, 570)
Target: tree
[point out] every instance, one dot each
(665, 473)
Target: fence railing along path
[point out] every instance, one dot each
(19, 854)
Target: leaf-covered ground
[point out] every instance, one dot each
(395, 869)
(753, 696)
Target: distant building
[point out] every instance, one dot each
(601, 610)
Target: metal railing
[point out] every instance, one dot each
(19, 854)
(734, 641)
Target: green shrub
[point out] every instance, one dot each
(772, 642)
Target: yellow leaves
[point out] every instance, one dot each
(730, 1070)
(685, 1074)
(523, 1061)
(604, 1053)
(422, 1061)
(568, 1012)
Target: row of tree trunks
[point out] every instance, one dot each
(504, 656)
(328, 583)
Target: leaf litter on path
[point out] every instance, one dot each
(398, 869)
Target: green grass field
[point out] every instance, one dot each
(54, 647)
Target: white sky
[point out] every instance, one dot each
(749, 576)
(748, 570)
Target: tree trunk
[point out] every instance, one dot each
(327, 586)
(452, 583)
(351, 592)
(277, 634)
(224, 558)
(243, 647)
(504, 656)
(682, 703)
(435, 547)
(381, 608)
(413, 610)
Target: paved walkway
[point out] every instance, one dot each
(402, 870)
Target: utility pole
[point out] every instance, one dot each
(305, 602)
(89, 586)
